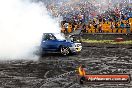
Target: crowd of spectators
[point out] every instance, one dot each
(115, 20)
(72, 10)
(81, 14)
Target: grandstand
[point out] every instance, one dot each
(92, 16)
(117, 20)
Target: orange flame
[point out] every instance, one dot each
(81, 71)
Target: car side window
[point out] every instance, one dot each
(49, 37)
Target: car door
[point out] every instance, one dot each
(49, 42)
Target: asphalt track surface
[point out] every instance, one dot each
(56, 71)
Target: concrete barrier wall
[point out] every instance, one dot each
(106, 36)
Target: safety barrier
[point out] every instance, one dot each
(115, 30)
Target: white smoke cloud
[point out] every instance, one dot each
(21, 26)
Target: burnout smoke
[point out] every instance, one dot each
(22, 24)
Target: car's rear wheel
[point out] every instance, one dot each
(64, 50)
(42, 52)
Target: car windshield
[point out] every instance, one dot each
(59, 36)
(74, 39)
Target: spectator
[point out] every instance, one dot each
(66, 27)
(116, 26)
(122, 25)
(128, 27)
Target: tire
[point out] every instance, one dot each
(64, 50)
(42, 52)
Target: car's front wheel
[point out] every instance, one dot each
(64, 50)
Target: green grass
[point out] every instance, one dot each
(106, 41)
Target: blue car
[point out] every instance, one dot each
(52, 42)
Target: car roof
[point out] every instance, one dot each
(47, 33)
